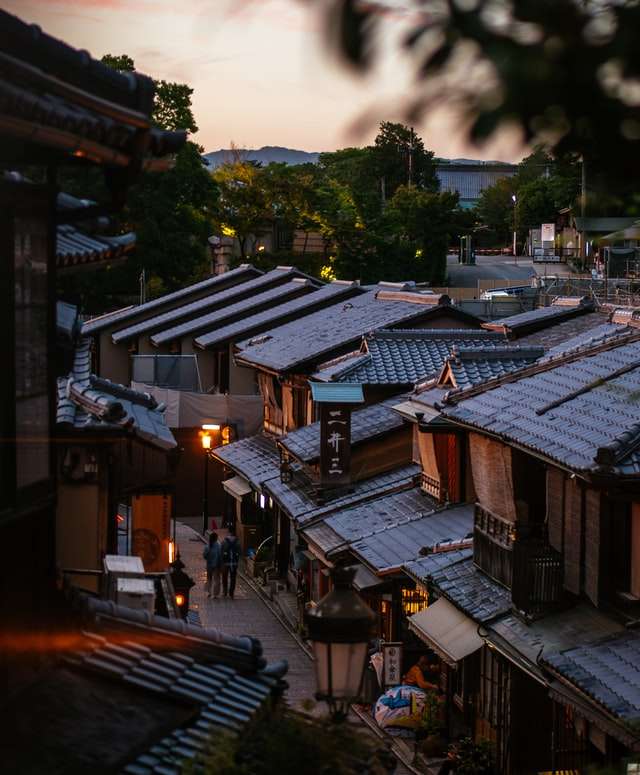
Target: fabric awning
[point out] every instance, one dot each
(237, 487)
(451, 634)
(365, 579)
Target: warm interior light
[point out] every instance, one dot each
(226, 434)
(180, 599)
(172, 552)
(206, 441)
(210, 427)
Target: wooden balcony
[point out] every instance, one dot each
(519, 557)
(537, 576)
(431, 486)
(493, 545)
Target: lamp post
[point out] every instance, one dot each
(514, 199)
(205, 438)
(340, 628)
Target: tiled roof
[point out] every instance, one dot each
(222, 303)
(58, 97)
(75, 248)
(564, 331)
(470, 590)
(316, 336)
(543, 317)
(367, 423)
(392, 546)
(607, 671)
(285, 292)
(299, 497)
(222, 678)
(89, 403)
(255, 458)
(406, 357)
(218, 282)
(424, 567)
(260, 321)
(587, 338)
(470, 366)
(581, 409)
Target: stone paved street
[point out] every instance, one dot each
(246, 614)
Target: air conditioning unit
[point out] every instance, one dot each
(138, 594)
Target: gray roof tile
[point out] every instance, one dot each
(405, 357)
(392, 546)
(255, 458)
(367, 423)
(90, 403)
(471, 590)
(542, 317)
(424, 567)
(578, 413)
(250, 325)
(207, 304)
(316, 336)
(240, 274)
(472, 366)
(299, 497)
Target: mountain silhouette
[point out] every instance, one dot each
(268, 154)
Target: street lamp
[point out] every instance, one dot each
(205, 438)
(340, 628)
(514, 199)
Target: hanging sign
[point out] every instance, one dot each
(150, 534)
(335, 444)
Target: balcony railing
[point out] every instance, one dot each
(518, 556)
(493, 545)
(537, 576)
(431, 486)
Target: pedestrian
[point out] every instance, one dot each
(213, 555)
(415, 675)
(230, 560)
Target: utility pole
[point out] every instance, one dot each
(583, 209)
(411, 158)
(143, 286)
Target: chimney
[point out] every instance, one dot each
(335, 402)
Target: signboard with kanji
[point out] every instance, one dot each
(335, 444)
(392, 664)
(548, 232)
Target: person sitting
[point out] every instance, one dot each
(415, 675)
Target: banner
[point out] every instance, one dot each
(151, 530)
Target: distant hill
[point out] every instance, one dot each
(274, 153)
(265, 155)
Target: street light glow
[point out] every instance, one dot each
(210, 427)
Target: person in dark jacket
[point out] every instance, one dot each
(213, 555)
(230, 560)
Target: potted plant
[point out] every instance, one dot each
(429, 733)
(472, 758)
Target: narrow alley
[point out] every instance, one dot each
(246, 614)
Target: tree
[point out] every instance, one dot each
(559, 69)
(495, 208)
(401, 159)
(422, 224)
(170, 212)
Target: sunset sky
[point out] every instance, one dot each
(260, 70)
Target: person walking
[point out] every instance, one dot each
(213, 555)
(230, 560)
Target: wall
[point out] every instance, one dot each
(81, 529)
(242, 381)
(113, 360)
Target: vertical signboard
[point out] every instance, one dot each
(392, 664)
(151, 530)
(548, 232)
(335, 444)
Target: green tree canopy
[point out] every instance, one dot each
(401, 159)
(562, 70)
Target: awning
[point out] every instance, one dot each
(365, 579)
(451, 634)
(236, 487)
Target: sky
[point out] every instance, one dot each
(261, 71)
